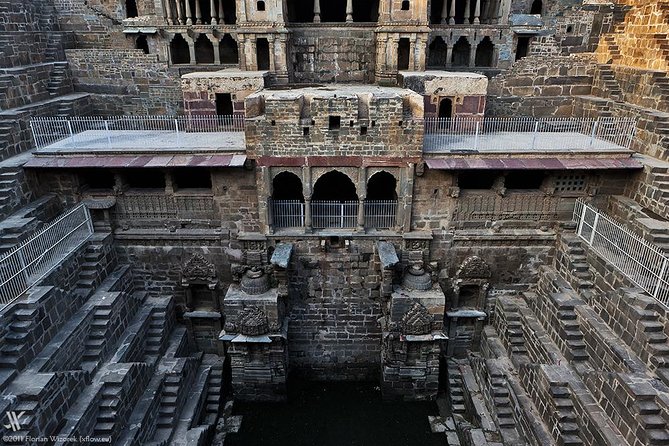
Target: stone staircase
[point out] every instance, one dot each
(108, 410)
(455, 389)
(26, 221)
(609, 87)
(60, 82)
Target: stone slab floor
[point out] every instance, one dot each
(335, 414)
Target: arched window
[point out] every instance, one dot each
(484, 53)
(260, 5)
(334, 186)
(204, 50)
(262, 54)
(537, 7)
(406, 5)
(461, 52)
(382, 186)
(287, 186)
(381, 202)
(179, 51)
(229, 50)
(446, 108)
(334, 202)
(437, 53)
(142, 44)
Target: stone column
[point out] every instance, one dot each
(468, 9)
(212, 8)
(444, 12)
(449, 54)
(198, 13)
(168, 12)
(169, 183)
(362, 196)
(189, 13)
(217, 49)
(412, 54)
(221, 12)
(451, 15)
(317, 11)
(306, 190)
(349, 10)
(272, 53)
(477, 11)
(180, 16)
(504, 10)
(406, 192)
(281, 74)
(241, 42)
(472, 54)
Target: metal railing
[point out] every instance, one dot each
(380, 214)
(48, 130)
(287, 213)
(334, 214)
(526, 133)
(160, 206)
(35, 258)
(520, 206)
(645, 264)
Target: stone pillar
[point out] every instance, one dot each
(472, 54)
(212, 8)
(191, 48)
(412, 54)
(306, 191)
(241, 42)
(362, 196)
(265, 190)
(168, 12)
(241, 10)
(317, 11)
(504, 10)
(180, 16)
(272, 53)
(477, 11)
(349, 10)
(419, 54)
(221, 12)
(451, 15)
(217, 49)
(169, 183)
(449, 54)
(189, 14)
(198, 13)
(468, 9)
(281, 65)
(444, 12)
(406, 192)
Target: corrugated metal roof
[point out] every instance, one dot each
(69, 162)
(492, 163)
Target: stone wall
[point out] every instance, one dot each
(125, 81)
(336, 54)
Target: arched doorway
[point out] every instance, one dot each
(438, 53)
(142, 44)
(334, 202)
(204, 50)
(461, 51)
(179, 51)
(287, 201)
(381, 202)
(403, 53)
(228, 50)
(484, 53)
(445, 108)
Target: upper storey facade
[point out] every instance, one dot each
(360, 40)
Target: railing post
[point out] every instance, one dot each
(580, 223)
(108, 135)
(594, 132)
(89, 219)
(594, 228)
(69, 128)
(24, 266)
(534, 136)
(476, 137)
(660, 276)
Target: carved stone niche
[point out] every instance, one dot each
(470, 284)
(198, 276)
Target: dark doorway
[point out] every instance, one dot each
(333, 11)
(406, 5)
(461, 52)
(537, 7)
(262, 54)
(300, 11)
(260, 6)
(287, 186)
(144, 178)
(228, 50)
(474, 179)
(435, 11)
(381, 186)
(229, 12)
(179, 51)
(191, 178)
(403, 53)
(365, 10)
(524, 179)
(224, 104)
(334, 186)
(131, 8)
(142, 44)
(204, 50)
(97, 179)
(446, 108)
(437, 53)
(523, 47)
(484, 53)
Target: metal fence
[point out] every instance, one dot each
(160, 206)
(525, 133)
(645, 264)
(48, 130)
(380, 214)
(334, 214)
(287, 213)
(35, 258)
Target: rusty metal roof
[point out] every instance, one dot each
(500, 163)
(127, 161)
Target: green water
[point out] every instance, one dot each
(335, 414)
